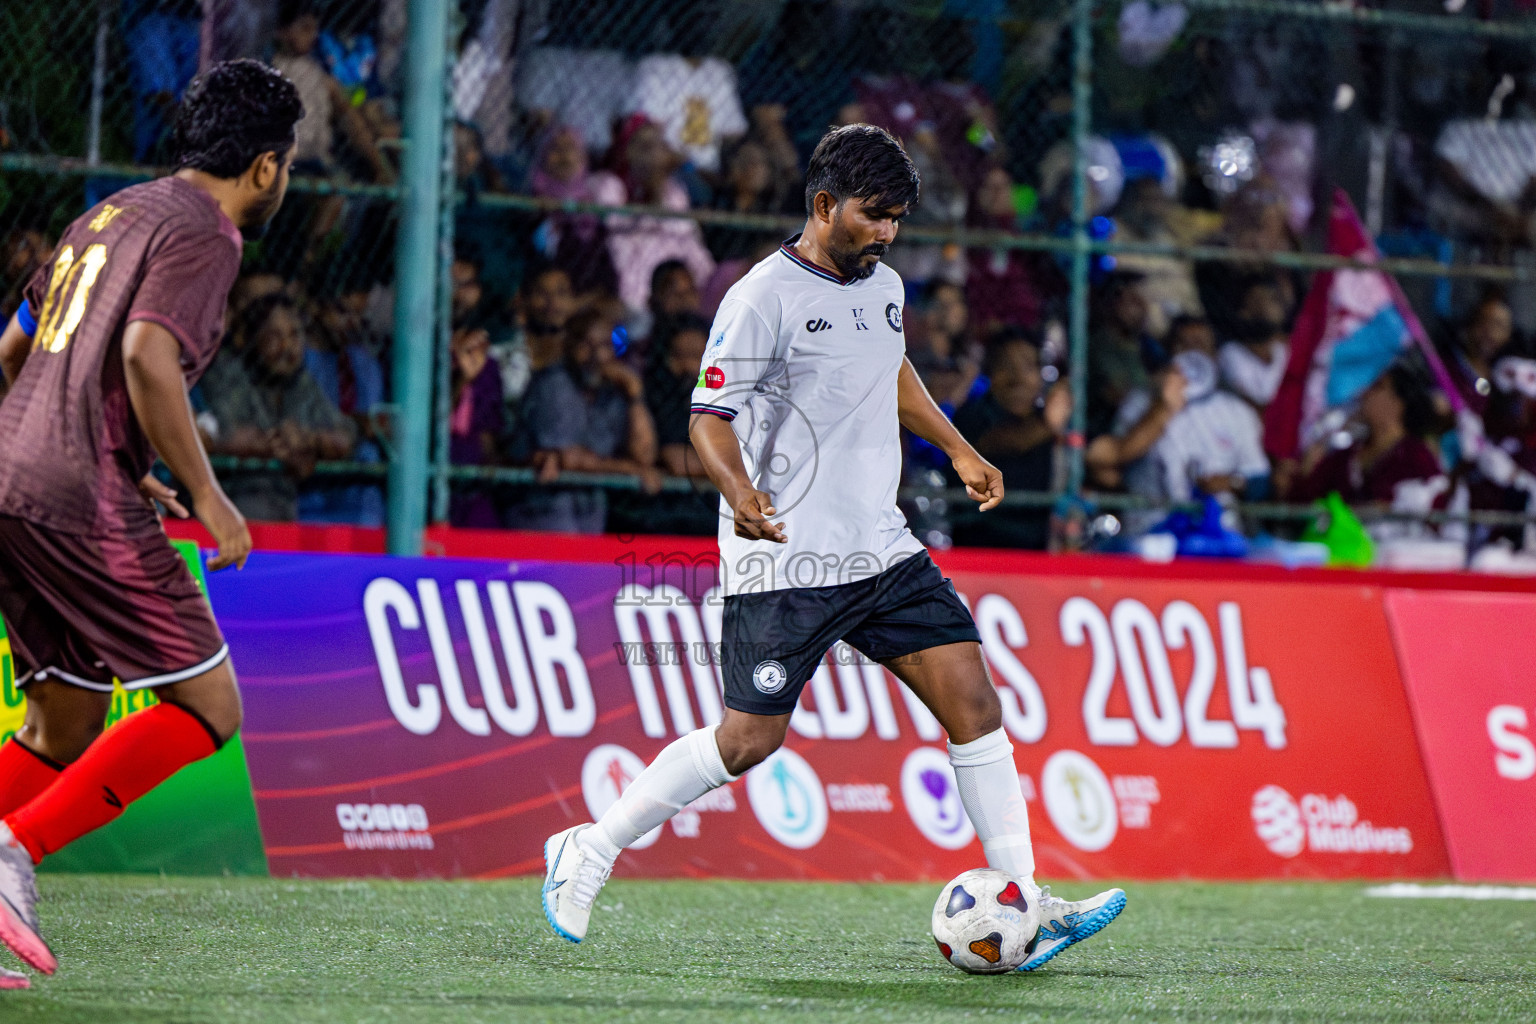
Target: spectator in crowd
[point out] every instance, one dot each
(673, 290)
(940, 347)
(493, 239)
(1256, 218)
(751, 185)
(588, 414)
(475, 423)
(544, 307)
(586, 89)
(1191, 436)
(1503, 475)
(1384, 449)
(679, 342)
(1254, 360)
(1147, 213)
(643, 174)
(269, 407)
(1488, 328)
(577, 242)
(1016, 425)
(327, 105)
(162, 39)
(343, 359)
(1004, 287)
(1121, 354)
(694, 101)
(23, 251)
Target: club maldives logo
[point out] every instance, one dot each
(607, 772)
(933, 800)
(1319, 823)
(786, 795)
(893, 317)
(1079, 799)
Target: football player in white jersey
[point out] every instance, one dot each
(796, 417)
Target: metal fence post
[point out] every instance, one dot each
(1077, 318)
(417, 258)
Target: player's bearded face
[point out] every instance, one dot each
(859, 240)
(269, 201)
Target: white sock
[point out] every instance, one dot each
(688, 768)
(989, 788)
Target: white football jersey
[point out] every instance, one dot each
(804, 366)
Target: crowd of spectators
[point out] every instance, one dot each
(577, 336)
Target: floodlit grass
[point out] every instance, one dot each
(135, 949)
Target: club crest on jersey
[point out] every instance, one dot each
(769, 677)
(817, 324)
(893, 317)
(713, 377)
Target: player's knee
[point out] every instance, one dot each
(742, 751)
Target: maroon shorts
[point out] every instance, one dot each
(85, 609)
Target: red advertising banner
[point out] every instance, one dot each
(1474, 698)
(442, 717)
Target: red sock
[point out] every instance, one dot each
(129, 760)
(24, 773)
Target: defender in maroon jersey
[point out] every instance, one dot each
(112, 333)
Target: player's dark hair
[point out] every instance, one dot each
(233, 113)
(860, 161)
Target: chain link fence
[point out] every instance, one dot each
(1105, 186)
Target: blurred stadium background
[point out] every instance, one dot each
(1223, 284)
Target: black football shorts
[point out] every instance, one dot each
(772, 642)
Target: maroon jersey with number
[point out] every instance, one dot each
(73, 450)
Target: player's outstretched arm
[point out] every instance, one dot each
(720, 452)
(15, 343)
(919, 413)
(152, 366)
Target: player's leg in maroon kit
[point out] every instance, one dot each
(62, 721)
(193, 719)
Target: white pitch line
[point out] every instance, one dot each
(1413, 891)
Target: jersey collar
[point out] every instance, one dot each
(787, 247)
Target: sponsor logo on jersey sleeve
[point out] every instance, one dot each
(713, 378)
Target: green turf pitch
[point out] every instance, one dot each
(135, 949)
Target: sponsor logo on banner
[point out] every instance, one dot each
(1277, 821)
(1320, 824)
(1079, 800)
(608, 771)
(786, 795)
(1514, 755)
(384, 826)
(933, 800)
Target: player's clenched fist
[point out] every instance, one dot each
(983, 481)
(752, 520)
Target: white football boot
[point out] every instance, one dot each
(1063, 922)
(573, 877)
(18, 905)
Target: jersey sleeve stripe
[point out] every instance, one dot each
(715, 410)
